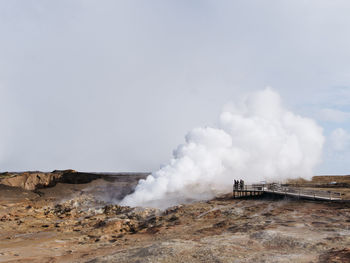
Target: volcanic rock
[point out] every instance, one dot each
(37, 180)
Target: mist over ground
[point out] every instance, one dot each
(257, 139)
(114, 85)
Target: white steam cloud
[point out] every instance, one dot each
(258, 139)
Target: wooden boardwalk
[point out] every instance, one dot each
(279, 190)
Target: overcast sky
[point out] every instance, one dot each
(115, 85)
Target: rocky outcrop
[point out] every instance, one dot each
(37, 180)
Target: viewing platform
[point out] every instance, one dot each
(280, 190)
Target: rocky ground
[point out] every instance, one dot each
(79, 223)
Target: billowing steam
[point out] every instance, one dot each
(256, 140)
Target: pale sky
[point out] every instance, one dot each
(115, 85)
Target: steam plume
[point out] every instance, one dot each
(258, 139)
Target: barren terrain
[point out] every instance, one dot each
(78, 223)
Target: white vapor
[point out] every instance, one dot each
(256, 140)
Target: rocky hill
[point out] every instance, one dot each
(36, 180)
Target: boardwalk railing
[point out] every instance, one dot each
(278, 189)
